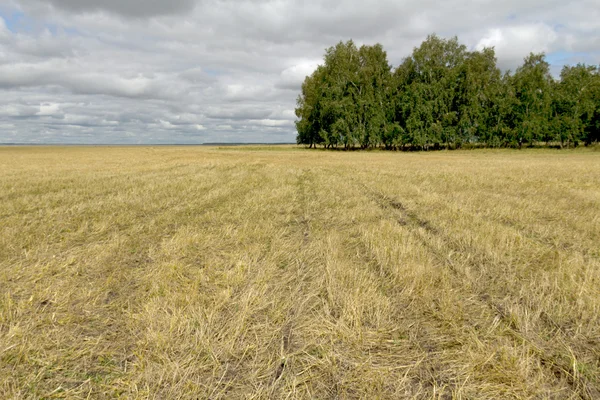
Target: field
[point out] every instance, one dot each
(279, 272)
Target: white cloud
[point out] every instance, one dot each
(274, 122)
(47, 109)
(3, 29)
(292, 77)
(513, 42)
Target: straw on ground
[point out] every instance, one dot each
(185, 272)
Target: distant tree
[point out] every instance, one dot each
(533, 85)
(308, 111)
(444, 96)
(429, 111)
(479, 92)
(505, 111)
(341, 120)
(575, 104)
(350, 94)
(373, 100)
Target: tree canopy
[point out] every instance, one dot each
(444, 95)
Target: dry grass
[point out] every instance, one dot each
(282, 273)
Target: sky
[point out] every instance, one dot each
(199, 71)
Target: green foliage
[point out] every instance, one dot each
(576, 105)
(444, 96)
(346, 101)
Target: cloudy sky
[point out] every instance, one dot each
(194, 71)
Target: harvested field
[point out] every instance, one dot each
(278, 272)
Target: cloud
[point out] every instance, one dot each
(196, 75)
(3, 28)
(47, 109)
(72, 77)
(193, 71)
(513, 42)
(274, 122)
(237, 112)
(127, 8)
(292, 77)
(18, 110)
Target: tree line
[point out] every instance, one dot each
(444, 96)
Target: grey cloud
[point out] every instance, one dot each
(43, 47)
(18, 110)
(128, 8)
(196, 75)
(84, 82)
(243, 113)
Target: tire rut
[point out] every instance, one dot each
(408, 218)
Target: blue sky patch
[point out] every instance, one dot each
(14, 20)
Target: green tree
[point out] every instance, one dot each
(533, 83)
(340, 91)
(308, 109)
(575, 104)
(428, 107)
(444, 95)
(479, 92)
(373, 99)
(348, 96)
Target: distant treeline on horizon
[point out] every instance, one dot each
(444, 96)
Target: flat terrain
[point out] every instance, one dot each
(276, 272)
